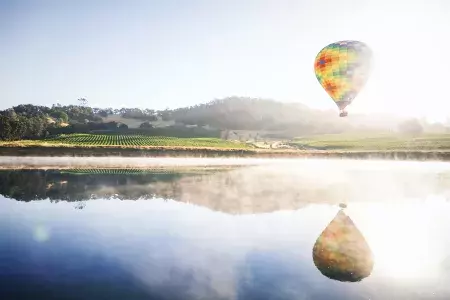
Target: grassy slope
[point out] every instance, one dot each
(374, 142)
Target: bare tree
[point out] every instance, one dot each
(80, 205)
(83, 101)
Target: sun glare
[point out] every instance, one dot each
(402, 243)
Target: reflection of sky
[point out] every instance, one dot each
(170, 250)
(163, 249)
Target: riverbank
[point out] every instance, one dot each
(196, 152)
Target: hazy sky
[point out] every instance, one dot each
(172, 53)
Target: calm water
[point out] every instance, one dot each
(239, 233)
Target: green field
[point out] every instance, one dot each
(373, 142)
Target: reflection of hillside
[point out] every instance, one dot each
(232, 191)
(244, 191)
(241, 190)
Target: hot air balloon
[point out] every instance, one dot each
(341, 252)
(343, 69)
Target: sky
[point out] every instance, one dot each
(175, 53)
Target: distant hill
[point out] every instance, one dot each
(288, 119)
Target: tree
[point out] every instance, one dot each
(103, 113)
(35, 127)
(151, 118)
(411, 126)
(60, 115)
(10, 113)
(19, 128)
(146, 125)
(112, 125)
(83, 101)
(5, 128)
(165, 115)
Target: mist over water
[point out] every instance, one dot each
(245, 232)
(121, 162)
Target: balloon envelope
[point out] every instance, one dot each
(343, 68)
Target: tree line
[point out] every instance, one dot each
(33, 121)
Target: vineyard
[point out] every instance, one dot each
(423, 146)
(126, 171)
(141, 141)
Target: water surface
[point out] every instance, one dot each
(240, 233)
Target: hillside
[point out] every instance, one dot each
(236, 118)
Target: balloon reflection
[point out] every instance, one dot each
(341, 251)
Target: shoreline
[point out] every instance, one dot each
(39, 151)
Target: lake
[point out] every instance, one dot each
(242, 231)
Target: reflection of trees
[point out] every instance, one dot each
(28, 185)
(238, 191)
(234, 190)
(80, 205)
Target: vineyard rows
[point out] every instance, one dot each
(126, 171)
(141, 140)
